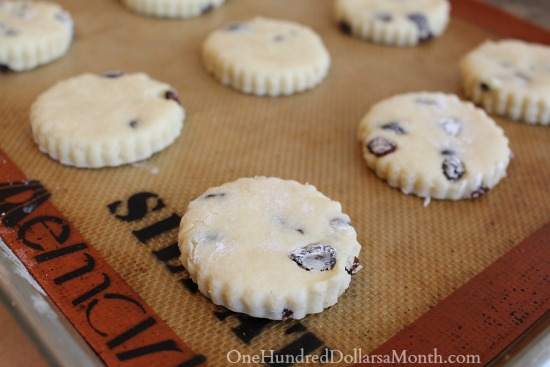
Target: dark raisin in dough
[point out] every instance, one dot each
(207, 9)
(320, 257)
(355, 267)
(395, 127)
(485, 87)
(237, 27)
(421, 22)
(11, 32)
(383, 17)
(480, 191)
(172, 95)
(215, 195)
(453, 168)
(287, 313)
(5, 68)
(345, 27)
(448, 152)
(381, 146)
(113, 74)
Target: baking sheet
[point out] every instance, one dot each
(414, 256)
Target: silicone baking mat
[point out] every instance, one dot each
(414, 256)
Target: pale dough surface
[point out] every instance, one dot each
(172, 8)
(33, 33)
(389, 21)
(94, 121)
(266, 56)
(510, 78)
(435, 127)
(236, 240)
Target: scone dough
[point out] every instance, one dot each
(266, 57)
(268, 247)
(176, 9)
(510, 78)
(32, 34)
(393, 22)
(106, 120)
(434, 145)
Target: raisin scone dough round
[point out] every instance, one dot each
(266, 57)
(106, 120)
(393, 22)
(176, 9)
(33, 34)
(268, 247)
(434, 145)
(510, 78)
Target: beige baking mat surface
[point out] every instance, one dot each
(413, 255)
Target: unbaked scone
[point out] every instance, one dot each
(176, 9)
(106, 120)
(393, 22)
(434, 145)
(266, 57)
(510, 78)
(32, 34)
(268, 247)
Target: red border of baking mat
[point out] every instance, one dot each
(115, 321)
(484, 316)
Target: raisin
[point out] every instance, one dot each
(453, 168)
(133, 124)
(395, 127)
(480, 191)
(11, 32)
(5, 68)
(345, 27)
(383, 17)
(448, 152)
(484, 87)
(238, 27)
(355, 267)
(215, 195)
(451, 126)
(171, 94)
(421, 23)
(320, 257)
(381, 146)
(207, 9)
(113, 74)
(287, 313)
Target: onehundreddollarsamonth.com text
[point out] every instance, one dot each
(357, 356)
